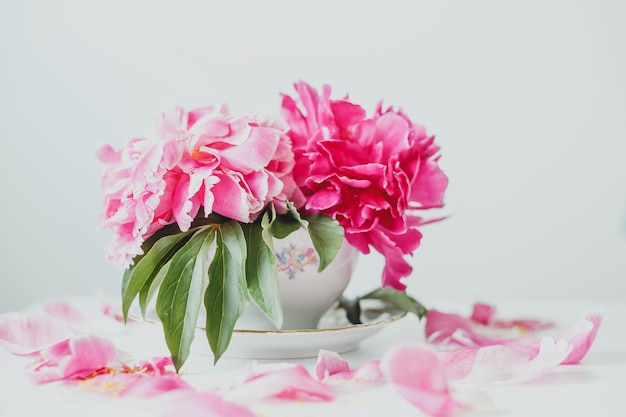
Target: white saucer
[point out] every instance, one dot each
(334, 333)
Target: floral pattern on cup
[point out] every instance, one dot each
(292, 259)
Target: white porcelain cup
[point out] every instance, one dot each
(305, 294)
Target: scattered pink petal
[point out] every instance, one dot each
(332, 369)
(115, 312)
(291, 382)
(417, 375)
(155, 366)
(154, 385)
(482, 313)
(144, 379)
(457, 332)
(368, 372)
(28, 334)
(81, 319)
(501, 363)
(74, 358)
(457, 363)
(454, 330)
(64, 311)
(582, 337)
(184, 402)
(330, 363)
(140, 385)
(485, 314)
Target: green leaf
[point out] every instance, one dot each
(180, 295)
(128, 272)
(282, 225)
(144, 271)
(150, 288)
(266, 225)
(226, 297)
(399, 299)
(261, 275)
(327, 237)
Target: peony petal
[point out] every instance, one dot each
(502, 363)
(73, 358)
(298, 133)
(108, 155)
(457, 363)
(172, 124)
(186, 197)
(417, 375)
(330, 363)
(333, 370)
(482, 313)
(582, 337)
(207, 121)
(291, 382)
(150, 386)
(82, 319)
(429, 185)
(114, 311)
(310, 102)
(231, 199)
(485, 314)
(346, 113)
(145, 379)
(184, 402)
(28, 334)
(393, 132)
(323, 199)
(454, 330)
(369, 372)
(255, 153)
(64, 310)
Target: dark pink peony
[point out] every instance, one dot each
(371, 174)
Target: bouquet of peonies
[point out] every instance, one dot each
(193, 210)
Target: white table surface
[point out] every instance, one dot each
(595, 387)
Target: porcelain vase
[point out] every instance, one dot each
(305, 293)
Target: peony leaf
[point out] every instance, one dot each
(261, 273)
(226, 297)
(180, 295)
(150, 288)
(397, 298)
(149, 265)
(282, 225)
(266, 223)
(128, 272)
(327, 237)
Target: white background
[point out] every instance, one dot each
(527, 100)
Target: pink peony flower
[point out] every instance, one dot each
(202, 158)
(371, 174)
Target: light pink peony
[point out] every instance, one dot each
(200, 159)
(371, 174)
